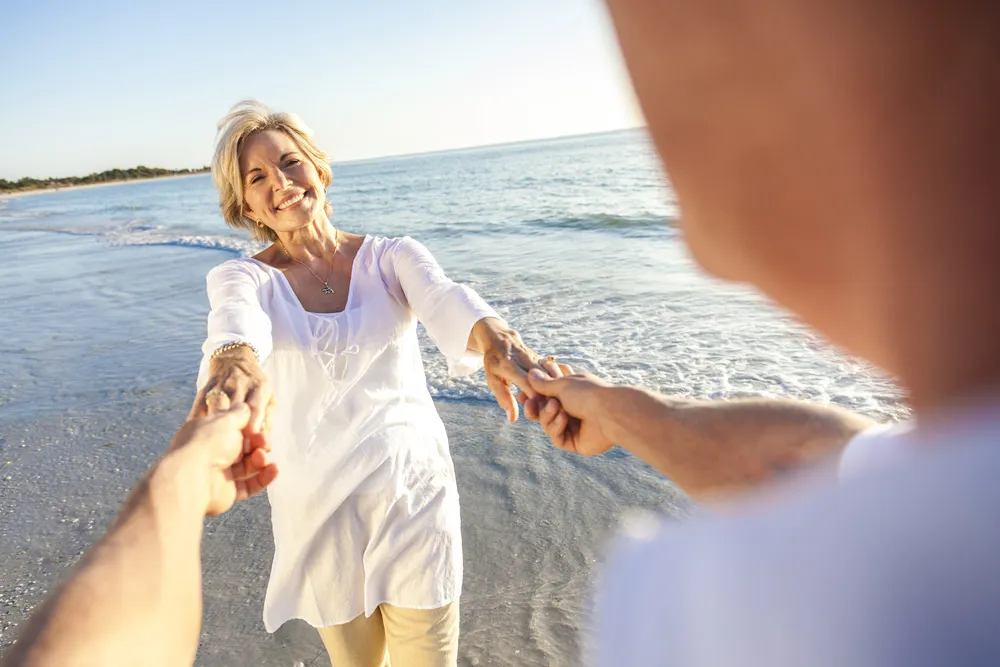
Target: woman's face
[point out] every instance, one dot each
(281, 186)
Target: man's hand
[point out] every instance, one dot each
(136, 596)
(210, 449)
(506, 360)
(236, 377)
(573, 415)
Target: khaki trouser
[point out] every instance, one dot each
(395, 636)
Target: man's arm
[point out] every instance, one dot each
(136, 596)
(708, 448)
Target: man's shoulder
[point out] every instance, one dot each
(877, 447)
(841, 574)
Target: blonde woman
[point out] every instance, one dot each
(365, 514)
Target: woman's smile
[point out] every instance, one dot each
(291, 200)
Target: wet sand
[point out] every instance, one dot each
(96, 375)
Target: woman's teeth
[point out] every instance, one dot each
(294, 200)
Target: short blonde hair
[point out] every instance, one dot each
(243, 120)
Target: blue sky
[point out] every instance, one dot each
(94, 85)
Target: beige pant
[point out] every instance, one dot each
(397, 636)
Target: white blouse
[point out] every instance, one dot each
(365, 506)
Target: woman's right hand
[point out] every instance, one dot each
(236, 377)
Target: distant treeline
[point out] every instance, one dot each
(109, 176)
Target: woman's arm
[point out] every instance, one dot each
(238, 341)
(462, 325)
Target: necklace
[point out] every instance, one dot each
(326, 283)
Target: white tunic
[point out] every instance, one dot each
(365, 506)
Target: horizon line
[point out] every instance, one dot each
(390, 156)
(456, 149)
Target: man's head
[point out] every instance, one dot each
(822, 150)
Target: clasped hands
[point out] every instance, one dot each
(569, 406)
(224, 441)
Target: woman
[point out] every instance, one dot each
(365, 508)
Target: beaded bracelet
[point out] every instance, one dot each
(233, 346)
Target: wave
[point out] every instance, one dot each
(126, 208)
(644, 225)
(135, 234)
(647, 223)
(237, 246)
(142, 232)
(472, 394)
(47, 230)
(7, 214)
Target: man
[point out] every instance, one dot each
(841, 156)
(136, 596)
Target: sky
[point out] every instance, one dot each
(91, 85)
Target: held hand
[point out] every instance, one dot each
(573, 413)
(534, 406)
(211, 447)
(236, 377)
(507, 361)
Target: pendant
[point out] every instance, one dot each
(327, 289)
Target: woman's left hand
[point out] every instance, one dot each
(507, 361)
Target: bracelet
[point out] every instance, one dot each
(233, 346)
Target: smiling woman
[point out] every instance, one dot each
(365, 507)
(242, 124)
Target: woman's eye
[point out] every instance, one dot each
(291, 163)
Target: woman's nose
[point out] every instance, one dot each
(280, 181)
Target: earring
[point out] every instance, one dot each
(260, 224)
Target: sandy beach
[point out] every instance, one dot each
(528, 582)
(84, 430)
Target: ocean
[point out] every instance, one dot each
(573, 240)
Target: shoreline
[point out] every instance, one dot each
(43, 191)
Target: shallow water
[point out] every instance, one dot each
(573, 240)
(103, 312)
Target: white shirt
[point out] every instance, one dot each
(877, 448)
(365, 506)
(894, 565)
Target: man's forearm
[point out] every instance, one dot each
(136, 597)
(710, 448)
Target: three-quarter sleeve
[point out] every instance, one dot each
(236, 314)
(448, 310)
